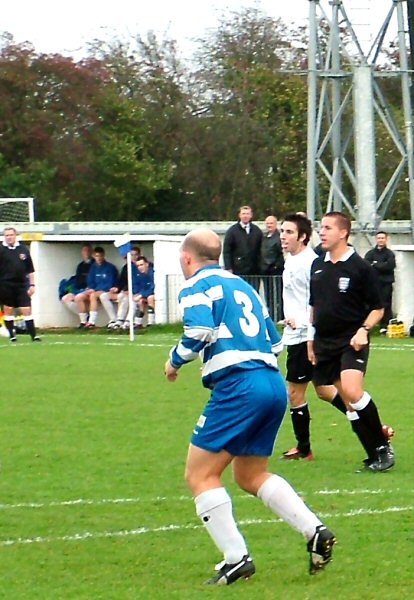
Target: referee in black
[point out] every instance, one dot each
(16, 283)
(345, 304)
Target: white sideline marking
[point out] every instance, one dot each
(103, 501)
(88, 535)
(59, 343)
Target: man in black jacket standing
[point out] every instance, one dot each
(383, 261)
(241, 247)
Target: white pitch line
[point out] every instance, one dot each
(125, 343)
(90, 535)
(139, 500)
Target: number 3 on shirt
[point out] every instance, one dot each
(249, 324)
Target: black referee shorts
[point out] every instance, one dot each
(298, 368)
(327, 371)
(14, 295)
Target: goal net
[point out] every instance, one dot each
(16, 210)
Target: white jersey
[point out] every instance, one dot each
(296, 289)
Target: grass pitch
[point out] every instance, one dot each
(93, 502)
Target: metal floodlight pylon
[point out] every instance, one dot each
(344, 100)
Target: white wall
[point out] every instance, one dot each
(54, 261)
(167, 262)
(403, 300)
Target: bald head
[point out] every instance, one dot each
(199, 247)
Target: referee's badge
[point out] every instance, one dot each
(343, 283)
(22, 256)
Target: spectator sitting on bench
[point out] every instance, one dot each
(71, 289)
(102, 276)
(144, 295)
(119, 293)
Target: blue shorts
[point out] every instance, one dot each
(244, 414)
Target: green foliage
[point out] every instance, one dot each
(131, 132)
(94, 503)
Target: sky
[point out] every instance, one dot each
(66, 27)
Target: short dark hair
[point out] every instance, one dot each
(99, 250)
(342, 220)
(136, 249)
(144, 258)
(302, 223)
(382, 233)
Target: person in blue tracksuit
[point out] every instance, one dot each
(102, 276)
(144, 291)
(228, 326)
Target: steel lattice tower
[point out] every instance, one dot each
(345, 101)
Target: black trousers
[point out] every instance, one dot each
(386, 295)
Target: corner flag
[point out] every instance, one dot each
(123, 243)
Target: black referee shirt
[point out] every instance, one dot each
(342, 295)
(15, 264)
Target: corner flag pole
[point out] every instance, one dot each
(130, 301)
(123, 243)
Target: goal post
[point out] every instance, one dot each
(17, 210)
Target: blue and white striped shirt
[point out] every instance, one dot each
(226, 323)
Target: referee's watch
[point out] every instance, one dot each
(367, 329)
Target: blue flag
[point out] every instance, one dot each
(123, 243)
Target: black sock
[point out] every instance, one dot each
(370, 417)
(338, 403)
(365, 438)
(301, 427)
(9, 326)
(30, 326)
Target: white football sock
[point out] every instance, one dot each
(72, 306)
(215, 510)
(278, 495)
(93, 315)
(83, 317)
(123, 305)
(108, 306)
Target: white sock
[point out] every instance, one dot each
(93, 315)
(278, 495)
(215, 510)
(83, 317)
(108, 306)
(123, 305)
(72, 306)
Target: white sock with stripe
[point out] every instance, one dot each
(214, 507)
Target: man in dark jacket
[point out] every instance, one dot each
(241, 247)
(383, 261)
(272, 262)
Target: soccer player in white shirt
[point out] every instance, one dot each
(296, 232)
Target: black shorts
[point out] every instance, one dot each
(298, 368)
(326, 372)
(14, 295)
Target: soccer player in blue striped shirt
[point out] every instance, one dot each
(228, 326)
